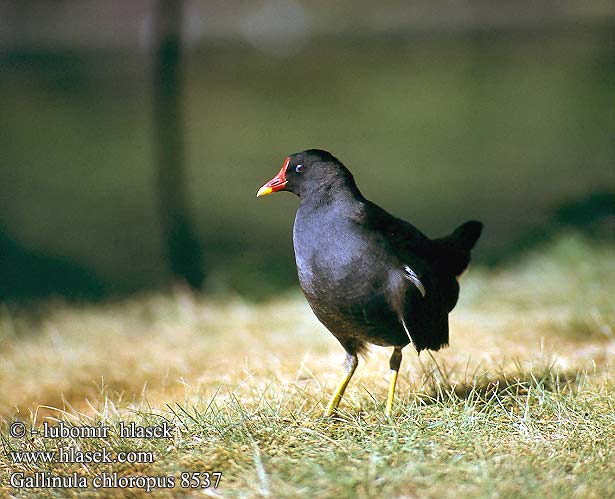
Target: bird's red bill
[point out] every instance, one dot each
(277, 183)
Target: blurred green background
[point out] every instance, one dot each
(443, 113)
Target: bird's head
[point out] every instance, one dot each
(307, 172)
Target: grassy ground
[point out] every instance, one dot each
(521, 404)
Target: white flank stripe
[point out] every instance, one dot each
(414, 279)
(403, 323)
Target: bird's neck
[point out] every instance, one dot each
(331, 194)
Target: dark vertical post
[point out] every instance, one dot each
(183, 247)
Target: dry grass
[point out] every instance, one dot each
(522, 403)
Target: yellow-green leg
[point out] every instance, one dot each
(394, 363)
(351, 364)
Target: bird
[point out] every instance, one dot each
(368, 276)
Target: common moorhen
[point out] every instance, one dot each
(368, 276)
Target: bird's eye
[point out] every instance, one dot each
(299, 168)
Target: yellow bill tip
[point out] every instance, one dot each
(263, 191)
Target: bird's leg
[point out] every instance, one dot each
(351, 364)
(394, 363)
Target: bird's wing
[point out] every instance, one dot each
(403, 238)
(436, 263)
(421, 296)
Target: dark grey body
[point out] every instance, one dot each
(354, 278)
(369, 276)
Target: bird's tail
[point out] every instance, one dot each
(465, 236)
(454, 254)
